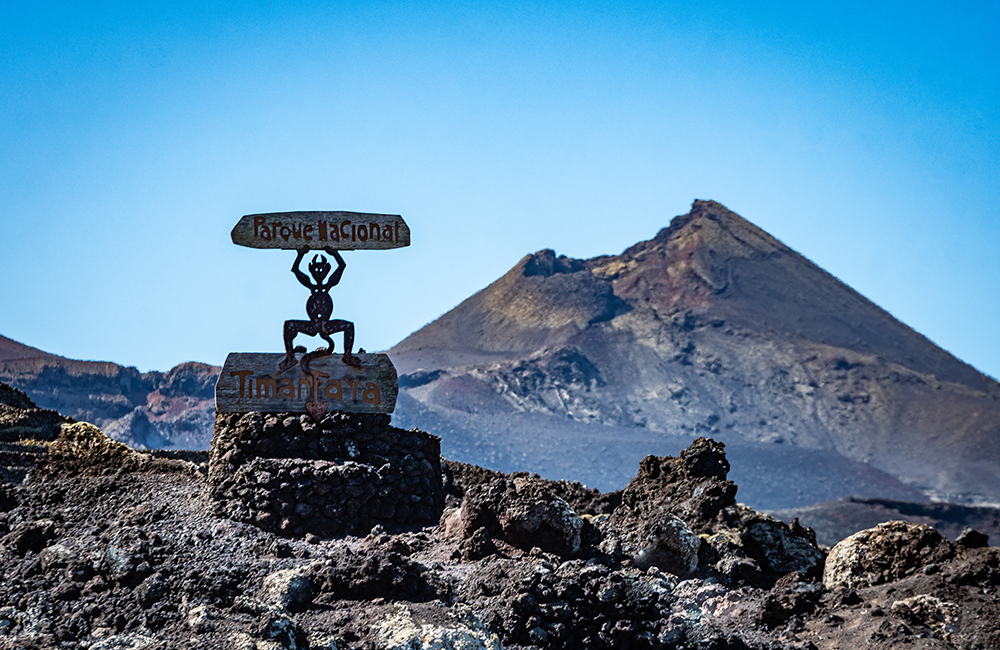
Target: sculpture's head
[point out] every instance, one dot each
(319, 267)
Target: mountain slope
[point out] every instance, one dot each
(11, 349)
(711, 327)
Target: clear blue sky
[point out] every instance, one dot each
(133, 136)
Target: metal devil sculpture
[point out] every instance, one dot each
(320, 308)
(270, 382)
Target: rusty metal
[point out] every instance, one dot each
(319, 306)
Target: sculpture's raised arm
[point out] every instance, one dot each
(341, 265)
(302, 277)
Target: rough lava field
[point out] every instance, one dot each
(105, 547)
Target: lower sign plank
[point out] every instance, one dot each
(252, 381)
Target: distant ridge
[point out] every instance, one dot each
(146, 410)
(712, 327)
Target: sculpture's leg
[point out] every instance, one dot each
(292, 329)
(347, 327)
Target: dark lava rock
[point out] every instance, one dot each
(14, 398)
(349, 575)
(459, 477)
(970, 538)
(674, 505)
(524, 513)
(781, 549)
(665, 542)
(30, 536)
(151, 590)
(8, 497)
(692, 487)
(477, 546)
(789, 598)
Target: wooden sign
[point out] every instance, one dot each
(252, 381)
(320, 230)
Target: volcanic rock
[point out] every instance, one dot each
(971, 538)
(30, 536)
(667, 543)
(692, 486)
(672, 501)
(458, 477)
(286, 588)
(930, 611)
(779, 548)
(524, 513)
(477, 545)
(399, 631)
(886, 553)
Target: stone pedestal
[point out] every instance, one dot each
(291, 475)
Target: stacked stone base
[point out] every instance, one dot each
(288, 474)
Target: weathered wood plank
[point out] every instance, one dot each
(251, 381)
(319, 230)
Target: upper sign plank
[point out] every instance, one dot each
(319, 230)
